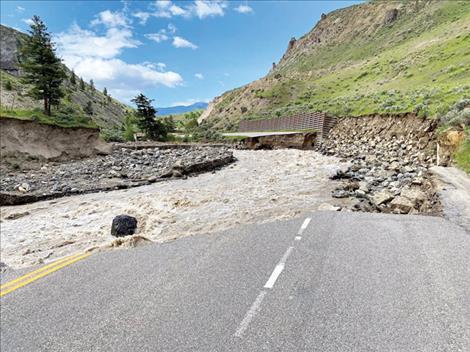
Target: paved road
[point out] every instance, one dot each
(454, 194)
(348, 282)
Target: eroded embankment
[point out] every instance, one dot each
(390, 156)
(48, 142)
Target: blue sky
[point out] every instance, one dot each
(173, 51)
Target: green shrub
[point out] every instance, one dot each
(8, 85)
(112, 135)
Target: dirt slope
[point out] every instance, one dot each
(48, 142)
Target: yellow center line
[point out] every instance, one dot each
(21, 278)
(37, 274)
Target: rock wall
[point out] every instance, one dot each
(404, 137)
(390, 156)
(21, 137)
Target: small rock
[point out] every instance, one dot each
(328, 207)
(123, 225)
(23, 187)
(339, 193)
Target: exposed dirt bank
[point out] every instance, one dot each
(21, 137)
(260, 186)
(301, 140)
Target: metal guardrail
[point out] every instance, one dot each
(318, 121)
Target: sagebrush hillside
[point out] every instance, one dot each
(380, 56)
(81, 105)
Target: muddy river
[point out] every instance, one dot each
(261, 186)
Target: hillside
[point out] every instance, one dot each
(181, 109)
(380, 56)
(107, 113)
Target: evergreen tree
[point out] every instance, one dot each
(92, 85)
(43, 69)
(88, 108)
(105, 92)
(146, 121)
(82, 84)
(73, 78)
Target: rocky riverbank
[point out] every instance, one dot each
(390, 159)
(124, 168)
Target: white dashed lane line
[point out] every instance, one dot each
(278, 269)
(304, 226)
(256, 306)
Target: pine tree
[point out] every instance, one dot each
(73, 78)
(82, 84)
(43, 69)
(105, 92)
(146, 121)
(92, 85)
(88, 109)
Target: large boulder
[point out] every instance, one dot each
(123, 225)
(381, 197)
(401, 205)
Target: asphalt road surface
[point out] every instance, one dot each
(336, 282)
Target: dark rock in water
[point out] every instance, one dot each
(123, 225)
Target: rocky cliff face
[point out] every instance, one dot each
(9, 50)
(375, 57)
(107, 113)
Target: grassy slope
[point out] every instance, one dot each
(420, 63)
(16, 103)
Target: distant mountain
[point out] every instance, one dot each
(181, 109)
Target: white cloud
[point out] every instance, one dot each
(166, 9)
(28, 21)
(189, 102)
(243, 9)
(142, 16)
(157, 37)
(162, 35)
(179, 42)
(81, 42)
(115, 69)
(161, 66)
(94, 56)
(20, 9)
(179, 11)
(111, 19)
(171, 28)
(211, 8)
(123, 79)
(199, 75)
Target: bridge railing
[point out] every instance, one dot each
(318, 121)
